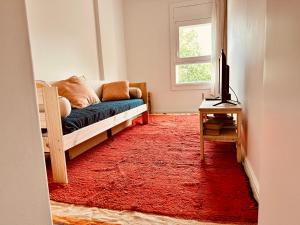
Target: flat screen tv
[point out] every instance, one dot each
(225, 96)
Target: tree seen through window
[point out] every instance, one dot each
(194, 41)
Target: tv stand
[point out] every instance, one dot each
(227, 134)
(225, 101)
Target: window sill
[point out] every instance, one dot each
(192, 86)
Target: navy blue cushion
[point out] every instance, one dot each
(83, 117)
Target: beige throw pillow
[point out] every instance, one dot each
(135, 92)
(77, 92)
(64, 106)
(115, 91)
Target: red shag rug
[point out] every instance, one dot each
(156, 168)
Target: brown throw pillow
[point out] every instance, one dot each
(115, 91)
(135, 92)
(77, 92)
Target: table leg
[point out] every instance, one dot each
(201, 137)
(238, 143)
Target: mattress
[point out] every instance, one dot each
(80, 118)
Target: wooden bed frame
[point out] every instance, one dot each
(57, 144)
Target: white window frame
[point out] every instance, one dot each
(174, 42)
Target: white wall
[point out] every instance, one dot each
(112, 39)
(23, 186)
(63, 38)
(280, 183)
(246, 45)
(148, 55)
(268, 83)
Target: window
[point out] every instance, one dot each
(191, 46)
(193, 54)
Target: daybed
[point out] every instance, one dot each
(82, 124)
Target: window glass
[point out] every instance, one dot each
(194, 40)
(193, 73)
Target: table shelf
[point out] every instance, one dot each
(226, 135)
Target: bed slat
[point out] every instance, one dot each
(46, 144)
(40, 97)
(43, 122)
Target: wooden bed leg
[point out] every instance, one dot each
(145, 116)
(58, 165)
(55, 135)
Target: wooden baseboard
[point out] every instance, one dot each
(252, 178)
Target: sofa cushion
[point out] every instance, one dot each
(96, 85)
(77, 92)
(135, 92)
(80, 118)
(114, 91)
(64, 106)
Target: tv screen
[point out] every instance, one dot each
(224, 78)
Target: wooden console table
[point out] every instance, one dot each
(230, 135)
